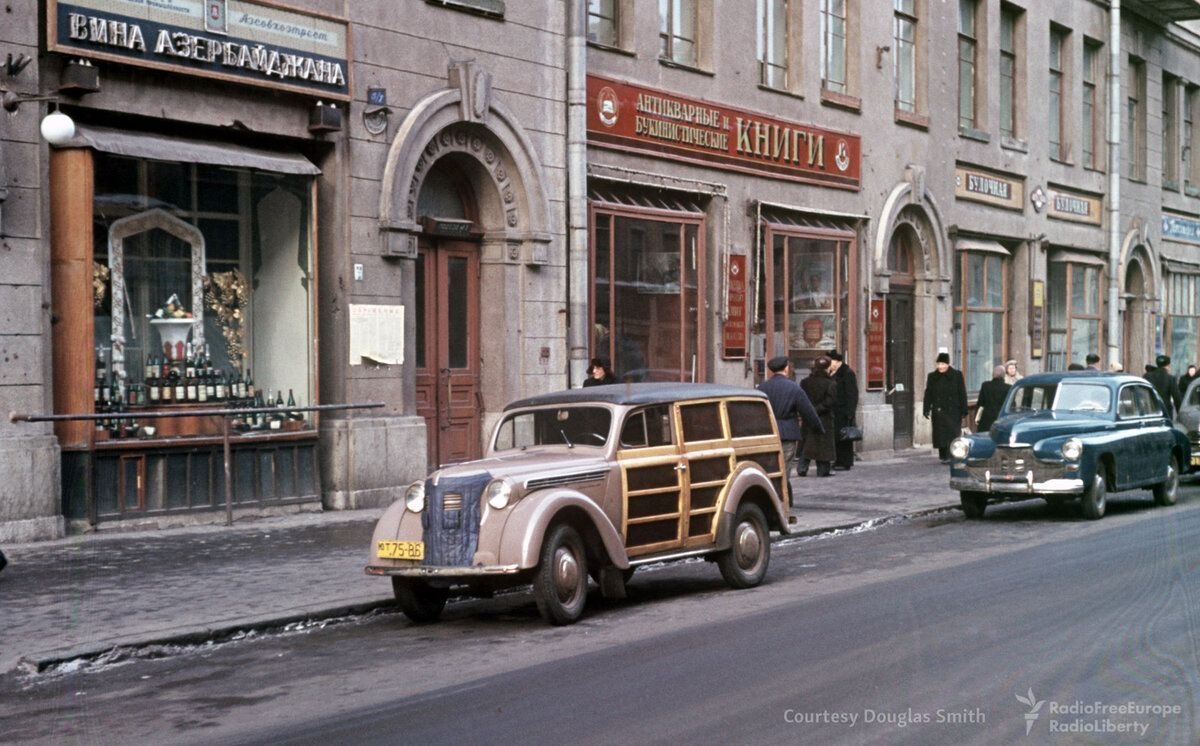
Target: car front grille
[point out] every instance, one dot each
(1005, 464)
(451, 519)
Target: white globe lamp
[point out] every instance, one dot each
(57, 128)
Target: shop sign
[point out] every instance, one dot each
(989, 188)
(876, 346)
(1080, 208)
(239, 40)
(733, 333)
(1178, 228)
(629, 117)
(1037, 317)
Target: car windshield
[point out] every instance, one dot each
(1068, 396)
(569, 426)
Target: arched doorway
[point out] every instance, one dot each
(447, 315)
(1138, 348)
(900, 333)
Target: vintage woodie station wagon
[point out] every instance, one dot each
(592, 482)
(1072, 436)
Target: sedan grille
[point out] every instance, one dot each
(451, 519)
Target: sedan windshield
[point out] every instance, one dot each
(569, 426)
(1068, 396)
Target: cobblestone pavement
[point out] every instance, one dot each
(84, 595)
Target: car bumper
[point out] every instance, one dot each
(1028, 485)
(422, 571)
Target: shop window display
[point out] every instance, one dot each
(979, 315)
(1183, 318)
(202, 279)
(1074, 295)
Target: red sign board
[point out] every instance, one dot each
(876, 346)
(629, 117)
(733, 334)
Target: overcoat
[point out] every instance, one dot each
(822, 392)
(946, 405)
(991, 398)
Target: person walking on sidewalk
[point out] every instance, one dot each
(1164, 382)
(945, 404)
(991, 397)
(820, 446)
(845, 409)
(790, 405)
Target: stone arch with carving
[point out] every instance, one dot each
(909, 204)
(468, 121)
(122, 229)
(1136, 247)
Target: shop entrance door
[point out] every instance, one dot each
(900, 365)
(447, 349)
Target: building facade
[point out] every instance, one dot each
(442, 205)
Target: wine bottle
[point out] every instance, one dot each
(220, 388)
(189, 364)
(152, 385)
(210, 381)
(260, 418)
(202, 386)
(250, 390)
(180, 389)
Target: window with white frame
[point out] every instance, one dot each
(1056, 105)
(772, 39)
(677, 31)
(904, 32)
(833, 46)
(1135, 120)
(1074, 293)
(980, 288)
(968, 48)
(1170, 131)
(1008, 71)
(1093, 135)
(602, 22)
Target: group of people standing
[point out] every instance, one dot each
(813, 413)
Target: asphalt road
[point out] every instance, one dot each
(922, 631)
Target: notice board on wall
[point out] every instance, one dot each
(376, 334)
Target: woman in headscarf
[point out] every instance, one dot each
(1011, 374)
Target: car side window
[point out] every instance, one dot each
(701, 422)
(749, 418)
(1031, 398)
(648, 427)
(1127, 403)
(1147, 403)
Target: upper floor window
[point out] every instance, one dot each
(1170, 131)
(904, 21)
(833, 45)
(1191, 98)
(1135, 120)
(1055, 106)
(772, 36)
(1008, 71)
(677, 31)
(967, 67)
(1092, 134)
(602, 26)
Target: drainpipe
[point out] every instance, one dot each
(1114, 181)
(577, 230)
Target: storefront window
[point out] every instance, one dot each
(646, 295)
(1074, 292)
(1183, 318)
(805, 281)
(979, 314)
(216, 258)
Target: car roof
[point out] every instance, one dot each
(636, 393)
(1098, 376)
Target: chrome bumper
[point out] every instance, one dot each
(420, 571)
(1026, 486)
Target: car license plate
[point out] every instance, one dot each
(402, 550)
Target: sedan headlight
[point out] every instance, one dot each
(414, 497)
(497, 493)
(1072, 449)
(960, 448)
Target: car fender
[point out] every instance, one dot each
(532, 516)
(747, 476)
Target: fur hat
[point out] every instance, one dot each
(834, 355)
(944, 357)
(776, 364)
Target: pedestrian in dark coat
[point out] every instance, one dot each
(599, 373)
(1165, 384)
(945, 404)
(790, 405)
(820, 447)
(991, 397)
(1186, 379)
(846, 408)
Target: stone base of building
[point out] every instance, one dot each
(187, 520)
(369, 462)
(30, 503)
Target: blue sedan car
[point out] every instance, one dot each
(1071, 436)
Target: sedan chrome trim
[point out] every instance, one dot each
(1024, 486)
(560, 480)
(443, 572)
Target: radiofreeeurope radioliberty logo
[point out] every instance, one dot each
(1096, 718)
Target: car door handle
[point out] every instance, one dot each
(681, 467)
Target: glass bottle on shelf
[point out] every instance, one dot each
(220, 388)
(152, 386)
(251, 391)
(180, 387)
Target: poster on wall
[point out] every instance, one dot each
(876, 346)
(733, 332)
(1037, 313)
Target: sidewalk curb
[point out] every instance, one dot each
(219, 633)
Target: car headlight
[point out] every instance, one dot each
(497, 493)
(414, 497)
(1072, 449)
(960, 448)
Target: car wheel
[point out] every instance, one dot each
(1095, 499)
(744, 563)
(1167, 491)
(419, 601)
(560, 584)
(973, 504)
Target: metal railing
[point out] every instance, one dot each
(227, 415)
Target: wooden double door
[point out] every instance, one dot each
(447, 349)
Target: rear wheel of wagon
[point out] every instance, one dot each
(1095, 499)
(419, 601)
(973, 504)
(560, 584)
(1167, 491)
(744, 563)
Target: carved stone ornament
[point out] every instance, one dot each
(475, 86)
